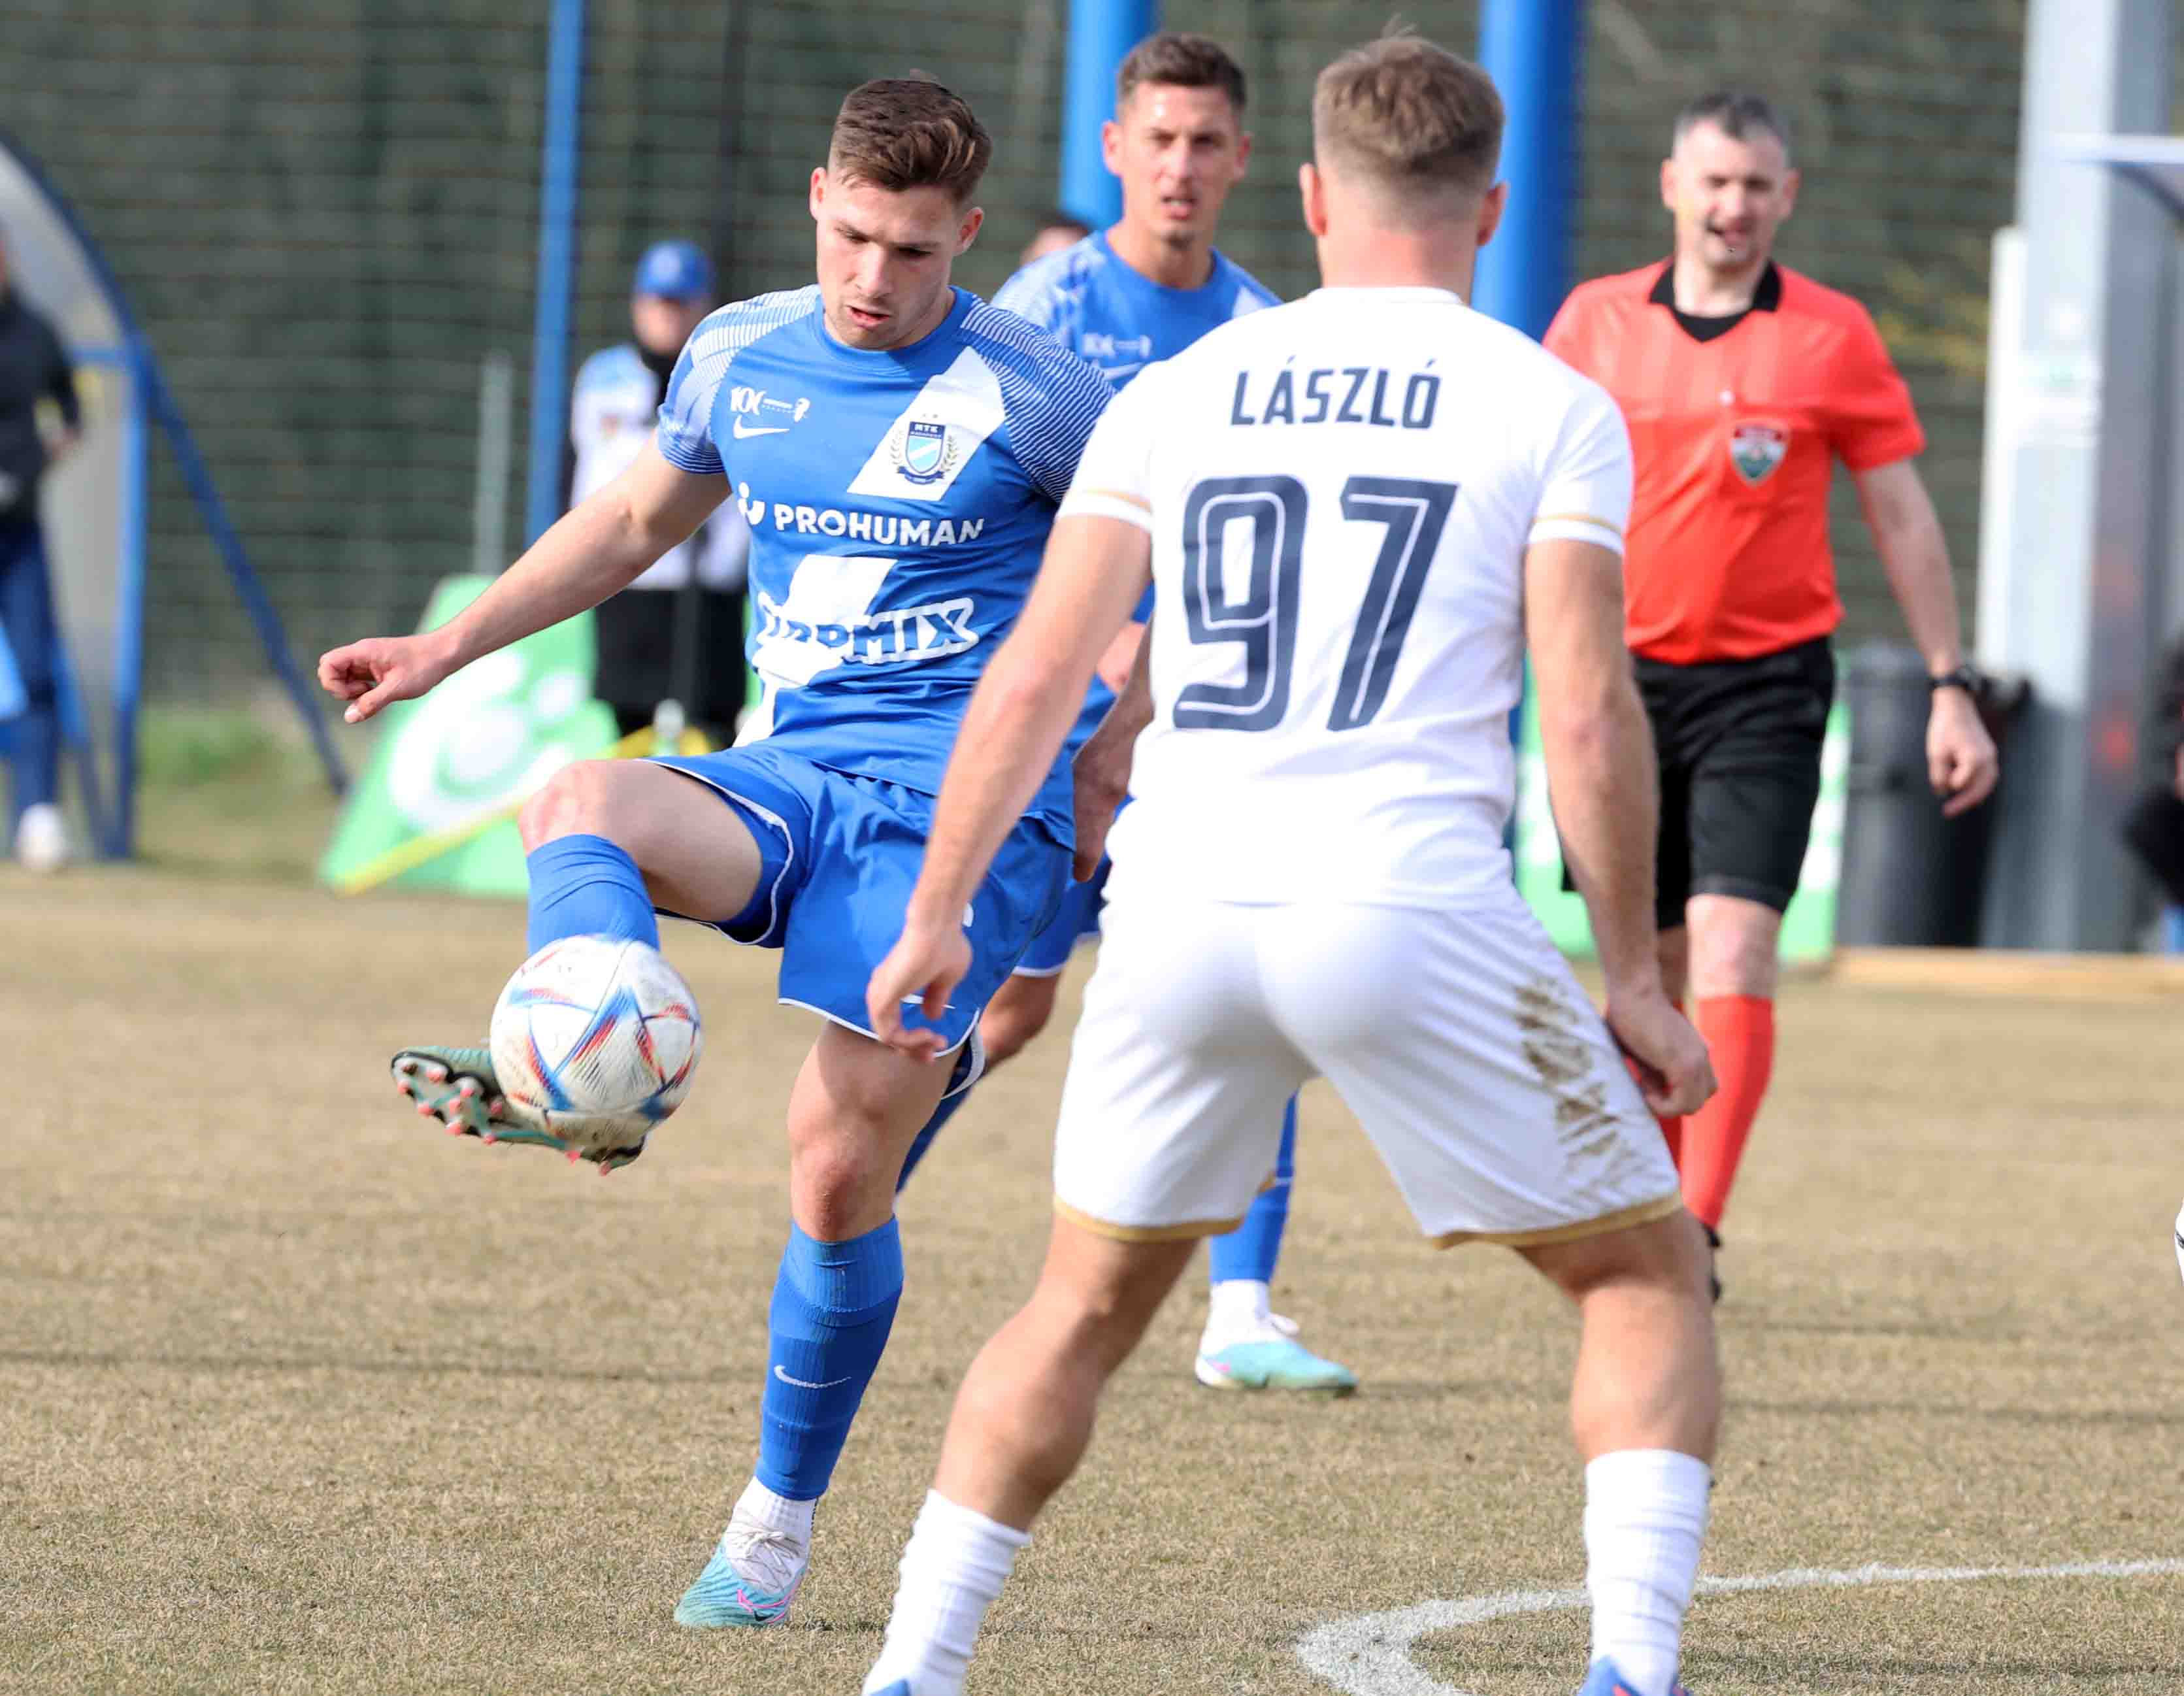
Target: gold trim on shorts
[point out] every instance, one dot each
(1623, 1219)
(1145, 1233)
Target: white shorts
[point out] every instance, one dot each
(1475, 1062)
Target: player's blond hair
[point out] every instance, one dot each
(1408, 118)
(909, 132)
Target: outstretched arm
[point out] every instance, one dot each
(593, 550)
(1094, 571)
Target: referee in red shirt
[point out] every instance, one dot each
(1742, 382)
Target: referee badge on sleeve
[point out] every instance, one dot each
(1756, 450)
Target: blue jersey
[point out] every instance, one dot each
(1116, 318)
(899, 503)
(1113, 316)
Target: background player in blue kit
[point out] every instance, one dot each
(898, 449)
(1122, 299)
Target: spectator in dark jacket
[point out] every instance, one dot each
(33, 367)
(2154, 826)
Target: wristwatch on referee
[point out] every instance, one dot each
(1964, 677)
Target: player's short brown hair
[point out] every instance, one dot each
(909, 132)
(1410, 116)
(1180, 61)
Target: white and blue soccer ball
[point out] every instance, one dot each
(598, 1037)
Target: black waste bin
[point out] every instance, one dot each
(1910, 877)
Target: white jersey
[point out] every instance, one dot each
(1340, 493)
(611, 409)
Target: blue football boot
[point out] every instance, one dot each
(753, 1577)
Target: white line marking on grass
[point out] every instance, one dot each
(1369, 1655)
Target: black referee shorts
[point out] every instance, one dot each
(1739, 746)
(1739, 743)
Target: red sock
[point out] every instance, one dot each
(1739, 1034)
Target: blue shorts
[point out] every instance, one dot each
(840, 856)
(1077, 918)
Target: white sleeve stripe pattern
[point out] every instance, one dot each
(686, 413)
(1052, 399)
(1044, 290)
(701, 460)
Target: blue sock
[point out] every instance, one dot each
(833, 1305)
(586, 887)
(1251, 1249)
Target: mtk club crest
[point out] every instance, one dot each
(1756, 450)
(925, 451)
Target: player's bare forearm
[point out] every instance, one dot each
(1601, 771)
(585, 555)
(594, 550)
(1906, 532)
(1132, 709)
(1010, 736)
(1961, 761)
(1029, 696)
(1604, 782)
(590, 554)
(1105, 758)
(1119, 664)
(1100, 776)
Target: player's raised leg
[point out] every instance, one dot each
(855, 1111)
(1644, 1406)
(606, 842)
(1246, 1345)
(1021, 1424)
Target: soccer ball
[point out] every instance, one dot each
(598, 1036)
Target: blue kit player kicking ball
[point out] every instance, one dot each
(1124, 298)
(898, 449)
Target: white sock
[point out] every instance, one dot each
(776, 1512)
(952, 1571)
(1645, 1517)
(1238, 1308)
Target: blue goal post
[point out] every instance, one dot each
(95, 507)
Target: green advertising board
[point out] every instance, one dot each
(1809, 928)
(467, 752)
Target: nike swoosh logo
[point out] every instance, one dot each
(805, 1383)
(743, 430)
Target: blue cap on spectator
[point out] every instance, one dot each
(677, 269)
